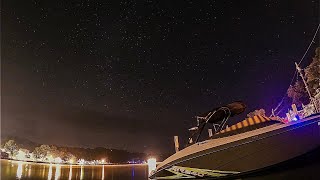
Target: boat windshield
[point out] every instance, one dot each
(217, 117)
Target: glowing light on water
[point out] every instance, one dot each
(50, 172)
(58, 172)
(102, 174)
(19, 170)
(43, 171)
(132, 172)
(70, 172)
(152, 164)
(29, 171)
(81, 172)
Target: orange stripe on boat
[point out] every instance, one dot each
(251, 122)
(245, 123)
(256, 119)
(239, 125)
(262, 119)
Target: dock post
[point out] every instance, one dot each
(295, 111)
(176, 143)
(288, 116)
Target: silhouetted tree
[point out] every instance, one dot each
(55, 152)
(69, 156)
(312, 72)
(11, 147)
(41, 152)
(298, 93)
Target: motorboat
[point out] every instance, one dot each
(247, 146)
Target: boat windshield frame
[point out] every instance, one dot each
(202, 121)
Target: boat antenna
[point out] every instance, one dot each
(312, 41)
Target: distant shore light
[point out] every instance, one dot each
(58, 160)
(71, 161)
(21, 155)
(103, 161)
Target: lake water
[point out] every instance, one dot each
(23, 170)
(304, 167)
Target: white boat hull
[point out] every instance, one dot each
(243, 153)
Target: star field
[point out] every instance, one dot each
(134, 73)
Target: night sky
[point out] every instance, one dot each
(132, 74)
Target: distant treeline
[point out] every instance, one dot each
(110, 155)
(98, 153)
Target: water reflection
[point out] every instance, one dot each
(50, 172)
(102, 174)
(41, 171)
(132, 172)
(81, 172)
(58, 172)
(70, 172)
(19, 170)
(29, 171)
(92, 172)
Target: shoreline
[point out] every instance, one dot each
(67, 164)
